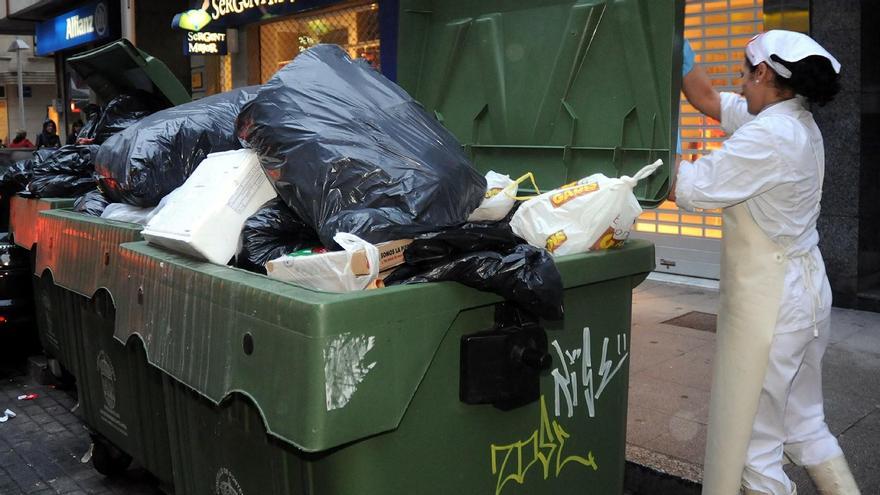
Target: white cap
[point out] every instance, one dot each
(787, 45)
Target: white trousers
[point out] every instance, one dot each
(791, 416)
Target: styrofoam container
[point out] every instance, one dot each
(205, 215)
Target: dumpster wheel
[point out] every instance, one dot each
(107, 459)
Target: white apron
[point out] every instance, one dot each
(752, 279)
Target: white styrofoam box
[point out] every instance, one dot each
(205, 215)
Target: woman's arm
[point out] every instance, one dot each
(699, 92)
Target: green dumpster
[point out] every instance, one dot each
(120, 395)
(24, 230)
(436, 388)
(271, 388)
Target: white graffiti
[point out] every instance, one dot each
(344, 368)
(566, 376)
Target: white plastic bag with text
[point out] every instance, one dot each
(596, 212)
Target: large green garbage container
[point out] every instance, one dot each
(275, 389)
(24, 230)
(270, 388)
(120, 395)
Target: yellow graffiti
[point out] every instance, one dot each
(544, 446)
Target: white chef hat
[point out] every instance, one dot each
(787, 45)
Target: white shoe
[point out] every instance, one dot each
(833, 477)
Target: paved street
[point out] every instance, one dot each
(42, 447)
(671, 372)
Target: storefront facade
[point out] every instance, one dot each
(84, 26)
(257, 46)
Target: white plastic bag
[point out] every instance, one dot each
(596, 212)
(122, 212)
(500, 195)
(329, 272)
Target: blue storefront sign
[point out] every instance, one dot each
(86, 24)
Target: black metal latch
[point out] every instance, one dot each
(503, 366)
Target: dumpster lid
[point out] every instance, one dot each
(563, 89)
(118, 67)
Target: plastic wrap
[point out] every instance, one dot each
(16, 177)
(350, 151)
(121, 113)
(91, 203)
(273, 231)
(524, 275)
(143, 163)
(66, 172)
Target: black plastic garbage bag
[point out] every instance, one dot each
(16, 177)
(91, 203)
(121, 113)
(273, 231)
(525, 275)
(350, 151)
(65, 173)
(90, 128)
(440, 246)
(143, 163)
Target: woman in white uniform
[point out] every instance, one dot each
(766, 403)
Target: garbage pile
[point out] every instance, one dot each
(69, 171)
(333, 178)
(350, 151)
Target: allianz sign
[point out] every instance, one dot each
(78, 26)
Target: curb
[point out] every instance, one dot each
(653, 473)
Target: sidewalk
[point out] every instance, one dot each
(671, 373)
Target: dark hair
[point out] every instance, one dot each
(19, 137)
(812, 77)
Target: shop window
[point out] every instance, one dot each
(353, 25)
(718, 32)
(225, 73)
(4, 122)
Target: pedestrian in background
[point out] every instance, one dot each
(74, 132)
(49, 137)
(21, 141)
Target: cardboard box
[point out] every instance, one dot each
(203, 217)
(390, 256)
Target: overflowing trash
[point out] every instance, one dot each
(204, 217)
(500, 197)
(487, 257)
(16, 177)
(66, 172)
(272, 232)
(353, 152)
(596, 212)
(151, 158)
(348, 184)
(119, 114)
(91, 203)
(354, 268)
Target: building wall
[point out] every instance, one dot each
(34, 110)
(869, 194)
(154, 36)
(39, 74)
(845, 223)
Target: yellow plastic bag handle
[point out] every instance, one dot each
(530, 176)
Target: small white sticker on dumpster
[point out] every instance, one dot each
(344, 367)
